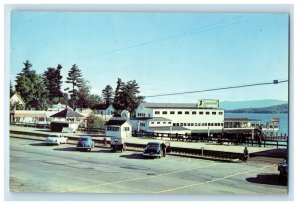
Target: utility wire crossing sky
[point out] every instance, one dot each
(164, 52)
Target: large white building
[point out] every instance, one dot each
(202, 117)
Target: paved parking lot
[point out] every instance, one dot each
(35, 167)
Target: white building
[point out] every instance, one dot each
(16, 99)
(118, 128)
(104, 111)
(202, 117)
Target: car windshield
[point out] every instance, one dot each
(153, 146)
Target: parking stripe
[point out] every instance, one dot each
(213, 180)
(139, 178)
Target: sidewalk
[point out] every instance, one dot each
(196, 145)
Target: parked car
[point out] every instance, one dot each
(56, 139)
(153, 149)
(283, 168)
(85, 143)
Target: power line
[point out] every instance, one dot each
(210, 27)
(221, 88)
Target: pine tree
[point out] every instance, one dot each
(31, 87)
(118, 99)
(53, 82)
(107, 94)
(126, 96)
(75, 79)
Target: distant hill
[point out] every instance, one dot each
(283, 108)
(233, 105)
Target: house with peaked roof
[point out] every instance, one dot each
(104, 111)
(17, 101)
(118, 127)
(68, 115)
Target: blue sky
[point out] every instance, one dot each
(163, 52)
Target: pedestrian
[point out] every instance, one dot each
(104, 141)
(246, 154)
(164, 149)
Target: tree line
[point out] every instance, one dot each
(41, 91)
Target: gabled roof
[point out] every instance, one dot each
(170, 105)
(67, 113)
(19, 96)
(115, 122)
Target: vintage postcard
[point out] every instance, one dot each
(155, 103)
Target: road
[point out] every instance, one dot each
(35, 167)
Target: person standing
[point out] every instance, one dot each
(164, 149)
(246, 154)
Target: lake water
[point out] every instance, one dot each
(283, 119)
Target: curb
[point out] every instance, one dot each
(132, 149)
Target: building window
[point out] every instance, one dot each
(186, 112)
(184, 124)
(207, 113)
(126, 128)
(208, 124)
(164, 122)
(172, 112)
(221, 124)
(157, 112)
(114, 129)
(200, 113)
(199, 124)
(220, 113)
(181, 124)
(192, 124)
(216, 124)
(194, 113)
(214, 113)
(164, 112)
(158, 123)
(169, 122)
(188, 124)
(152, 123)
(179, 112)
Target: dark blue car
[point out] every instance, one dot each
(85, 143)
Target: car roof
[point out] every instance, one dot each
(154, 143)
(85, 137)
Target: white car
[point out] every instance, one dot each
(56, 139)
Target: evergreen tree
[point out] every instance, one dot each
(126, 96)
(118, 99)
(31, 87)
(53, 82)
(75, 79)
(107, 94)
(132, 98)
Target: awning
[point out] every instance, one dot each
(36, 115)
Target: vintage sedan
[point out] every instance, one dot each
(153, 149)
(85, 143)
(56, 139)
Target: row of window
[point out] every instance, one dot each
(160, 123)
(198, 124)
(188, 112)
(187, 124)
(117, 129)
